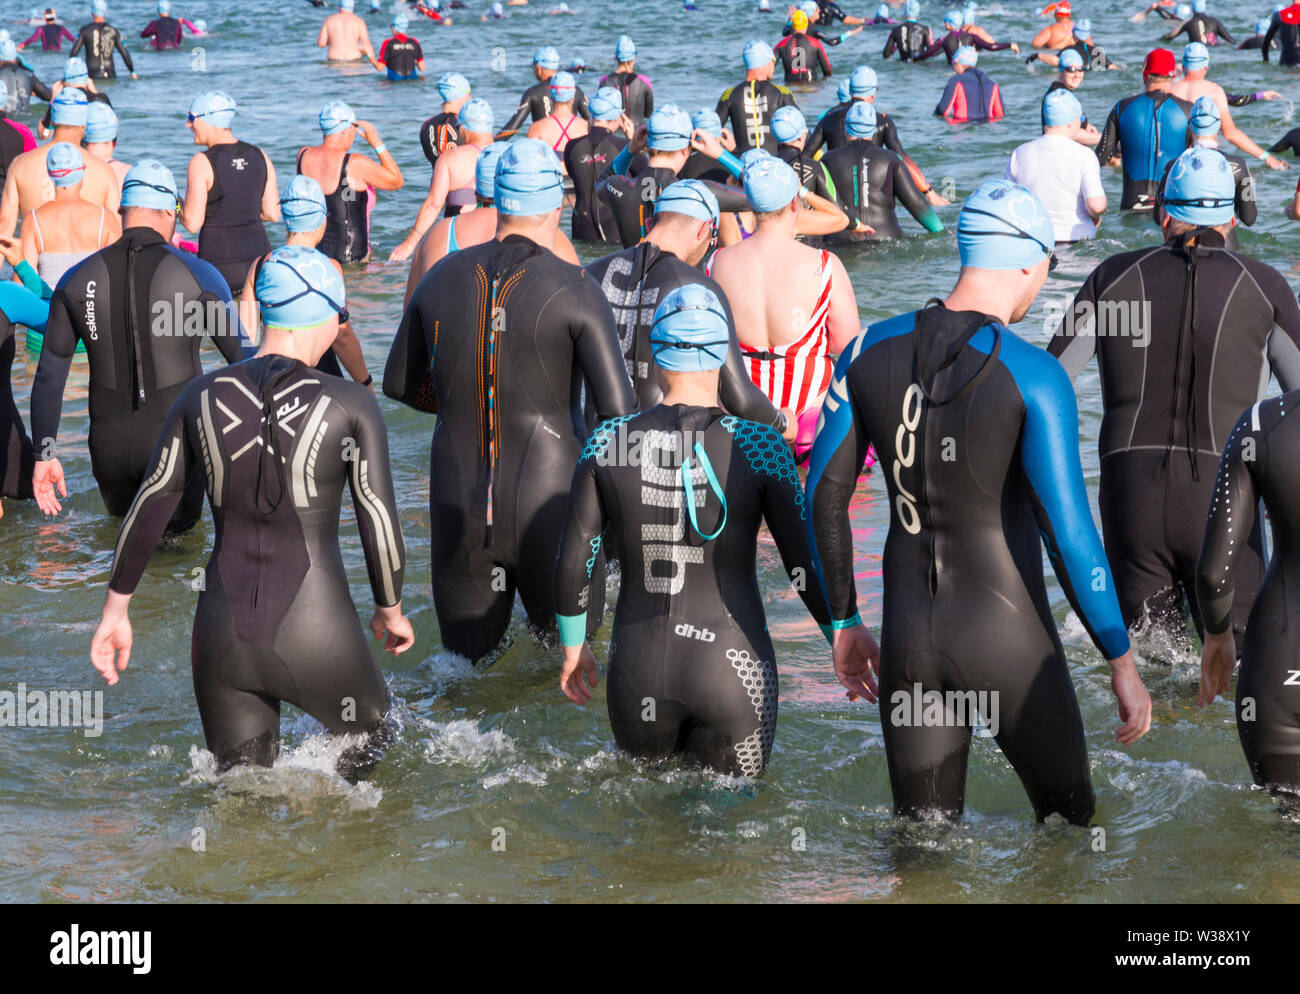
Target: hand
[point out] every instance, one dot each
(113, 635)
(389, 624)
(728, 140)
(937, 200)
(402, 252)
(1273, 162)
(1270, 95)
(863, 230)
(1015, 49)
(134, 76)
(637, 139)
(791, 425)
(857, 662)
(47, 477)
(12, 250)
(1134, 701)
(1218, 660)
(706, 144)
(578, 658)
(368, 132)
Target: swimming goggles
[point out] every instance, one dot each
(1019, 232)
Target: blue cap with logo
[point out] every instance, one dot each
(485, 170)
(706, 119)
(69, 107)
(215, 107)
(1061, 107)
(690, 197)
(547, 57)
(690, 332)
(669, 129)
(336, 116)
(452, 86)
(1204, 118)
(605, 104)
(101, 123)
(860, 121)
(298, 287)
(476, 116)
(1002, 225)
(862, 82)
(770, 184)
(625, 50)
(757, 54)
(302, 205)
(64, 164)
(788, 124)
(529, 179)
(74, 71)
(150, 184)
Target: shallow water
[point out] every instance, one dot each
(501, 756)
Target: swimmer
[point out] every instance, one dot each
(452, 186)
(100, 140)
(810, 10)
(817, 216)
(508, 433)
(586, 158)
(1196, 66)
(536, 102)
(828, 12)
(74, 75)
(700, 166)
(790, 129)
(687, 543)
(166, 31)
(1256, 40)
(1200, 27)
(230, 190)
(442, 131)
(51, 34)
(1058, 34)
(400, 55)
(101, 302)
(800, 54)
(562, 9)
(21, 84)
(344, 35)
(1063, 174)
(746, 109)
(57, 235)
(15, 138)
(1202, 132)
(349, 179)
(25, 304)
(881, 18)
(634, 89)
(495, 13)
(910, 38)
(562, 124)
(971, 95)
(1284, 26)
(1093, 57)
(957, 38)
(273, 443)
(1070, 77)
(100, 40)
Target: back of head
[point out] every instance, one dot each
(770, 185)
(302, 205)
(669, 129)
(452, 86)
(1200, 189)
(546, 57)
(563, 87)
(1204, 119)
(335, 117)
(1002, 225)
(298, 288)
(966, 56)
(68, 108)
(1195, 57)
(1159, 66)
(953, 20)
(485, 170)
(688, 198)
(625, 50)
(216, 108)
(690, 333)
(799, 21)
(860, 121)
(529, 181)
(757, 55)
(862, 82)
(64, 164)
(606, 104)
(1060, 109)
(912, 10)
(476, 117)
(149, 186)
(74, 71)
(788, 125)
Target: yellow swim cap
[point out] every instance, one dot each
(799, 20)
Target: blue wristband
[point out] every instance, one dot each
(573, 629)
(623, 160)
(847, 622)
(730, 163)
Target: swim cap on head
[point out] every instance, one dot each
(336, 116)
(8, 50)
(69, 107)
(770, 184)
(966, 56)
(400, 23)
(810, 8)
(1200, 188)
(625, 50)
(485, 169)
(563, 87)
(1061, 107)
(669, 129)
(705, 119)
(799, 21)
(451, 86)
(842, 93)
(98, 8)
(1063, 8)
(968, 16)
(912, 10)
(101, 123)
(1159, 62)
(476, 116)
(1199, 6)
(690, 333)
(1071, 59)
(547, 57)
(1195, 56)
(757, 54)
(1082, 29)
(690, 197)
(150, 184)
(882, 12)
(299, 287)
(74, 71)
(1204, 118)
(1003, 226)
(750, 156)
(862, 82)
(164, 7)
(1183, 11)
(498, 10)
(302, 205)
(1261, 26)
(788, 124)
(860, 121)
(64, 164)
(605, 104)
(952, 19)
(528, 180)
(215, 107)
(202, 26)
(347, 4)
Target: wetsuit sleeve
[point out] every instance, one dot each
(1284, 339)
(408, 373)
(1290, 142)
(1230, 521)
(150, 30)
(157, 499)
(580, 106)
(1049, 452)
(891, 43)
(1182, 26)
(1109, 143)
(77, 45)
(121, 49)
(889, 138)
(371, 482)
(822, 59)
(1241, 99)
(52, 375)
(1221, 31)
(595, 340)
(1273, 27)
(817, 138)
(39, 89)
(986, 46)
(934, 49)
(731, 199)
(946, 101)
(1075, 341)
(513, 125)
(584, 527)
(907, 193)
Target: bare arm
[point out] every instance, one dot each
(439, 187)
(30, 251)
(323, 39)
(248, 312)
(198, 181)
(9, 206)
(843, 321)
(382, 175)
(270, 193)
(348, 350)
(1239, 138)
(824, 218)
(1096, 207)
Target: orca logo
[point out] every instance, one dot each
(904, 457)
(689, 631)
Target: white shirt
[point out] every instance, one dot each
(1063, 174)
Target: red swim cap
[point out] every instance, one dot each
(1063, 8)
(1160, 62)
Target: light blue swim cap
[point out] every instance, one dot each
(1261, 26)
(966, 56)
(74, 71)
(706, 119)
(547, 57)
(164, 7)
(690, 333)
(860, 121)
(968, 17)
(1204, 118)
(882, 12)
(625, 50)
(8, 50)
(842, 93)
(1183, 11)
(690, 197)
(347, 4)
(98, 8)
(336, 116)
(770, 184)
(485, 169)
(215, 107)
(1200, 188)
(529, 180)
(299, 287)
(399, 23)
(1071, 59)
(1060, 107)
(64, 164)
(150, 184)
(912, 10)
(1195, 56)
(563, 87)
(1003, 226)
(862, 82)
(669, 129)
(101, 123)
(202, 25)
(1082, 29)
(757, 54)
(953, 19)
(452, 86)
(810, 7)
(749, 157)
(605, 104)
(302, 205)
(69, 107)
(788, 124)
(476, 116)
(1199, 6)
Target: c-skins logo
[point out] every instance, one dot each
(92, 329)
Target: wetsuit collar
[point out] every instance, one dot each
(1206, 240)
(942, 366)
(142, 235)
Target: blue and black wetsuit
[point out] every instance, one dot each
(690, 634)
(978, 433)
(1149, 130)
(868, 180)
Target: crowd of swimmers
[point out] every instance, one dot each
(645, 415)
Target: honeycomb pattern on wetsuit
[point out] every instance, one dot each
(604, 433)
(595, 551)
(752, 751)
(768, 454)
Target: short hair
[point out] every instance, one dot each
(1177, 227)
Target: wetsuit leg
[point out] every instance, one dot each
(646, 723)
(16, 457)
(1131, 499)
(1268, 707)
(235, 273)
(473, 593)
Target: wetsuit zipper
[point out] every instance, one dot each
(1176, 399)
(133, 339)
(491, 437)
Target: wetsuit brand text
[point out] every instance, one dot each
(662, 487)
(689, 631)
(904, 456)
(77, 948)
(91, 327)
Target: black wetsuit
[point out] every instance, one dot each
(537, 104)
(91, 97)
(812, 172)
(1213, 324)
(166, 32)
(800, 55)
(1059, 85)
(830, 12)
(499, 339)
(816, 33)
(400, 55)
(274, 442)
(746, 111)
(1290, 142)
(638, 95)
(232, 237)
(829, 132)
(1287, 35)
(142, 351)
(21, 85)
(700, 166)
(690, 634)
(100, 41)
(868, 179)
(1257, 41)
(954, 40)
(438, 134)
(634, 281)
(909, 40)
(1149, 130)
(1260, 461)
(16, 457)
(978, 432)
(585, 159)
(347, 219)
(1202, 28)
(1244, 206)
(632, 199)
